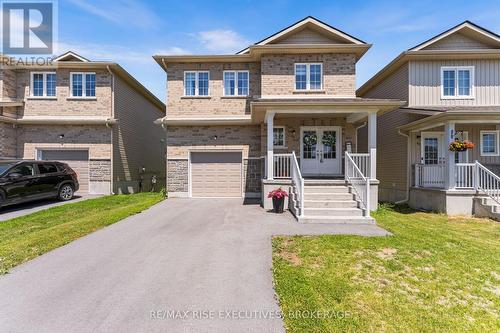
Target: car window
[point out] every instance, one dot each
(47, 168)
(4, 167)
(23, 169)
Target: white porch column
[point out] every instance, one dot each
(449, 137)
(372, 143)
(270, 153)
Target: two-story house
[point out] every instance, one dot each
(91, 114)
(451, 83)
(281, 113)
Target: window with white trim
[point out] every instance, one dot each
(457, 82)
(196, 83)
(279, 136)
(309, 76)
(236, 83)
(489, 143)
(82, 84)
(43, 84)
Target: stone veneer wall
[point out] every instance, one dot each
(252, 175)
(8, 140)
(100, 170)
(177, 176)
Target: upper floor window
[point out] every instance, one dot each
(196, 83)
(235, 83)
(83, 84)
(308, 76)
(43, 84)
(457, 82)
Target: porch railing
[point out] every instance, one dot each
(298, 184)
(430, 175)
(282, 166)
(363, 162)
(465, 175)
(359, 182)
(487, 182)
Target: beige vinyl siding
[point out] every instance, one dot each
(457, 41)
(308, 36)
(394, 86)
(425, 83)
(137, 141)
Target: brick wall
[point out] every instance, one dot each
(216, 105)
(64, 104)
(181, 139)
(7, 84)
(96, 138)
(339, 73)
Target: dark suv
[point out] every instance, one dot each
(22, 181)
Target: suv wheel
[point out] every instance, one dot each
(65, 192)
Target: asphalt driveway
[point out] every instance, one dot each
(210, 257)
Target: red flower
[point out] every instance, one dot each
(278, 193)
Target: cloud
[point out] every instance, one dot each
(122, 12)
(174, 50)
(221, 40)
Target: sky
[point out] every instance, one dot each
(129, 32)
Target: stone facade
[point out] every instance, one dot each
(252, 175)
(339, 74)
(8, 84)
(7, 140)
(215, 105)
(100, 170)
(177, 176)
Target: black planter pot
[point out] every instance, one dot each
(278, 204)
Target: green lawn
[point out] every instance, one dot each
(435, 274)
(27, 237)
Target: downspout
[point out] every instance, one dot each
(408, 162)
(112, 129)
(356, 138)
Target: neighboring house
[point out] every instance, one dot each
(93, 115)
(451, 83)
(234, 121)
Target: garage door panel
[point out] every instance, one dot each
(216, 174)
(78, 160)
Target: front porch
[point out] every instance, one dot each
(454, 182)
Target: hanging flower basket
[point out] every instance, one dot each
(310, 139)
(329, 139)
(278, 197)
(459, 145)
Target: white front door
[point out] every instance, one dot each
(432, 150)
(319, 158)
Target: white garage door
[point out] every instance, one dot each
(216, 174)
(78, 160)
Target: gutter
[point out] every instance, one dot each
(408, 162)
(60, 121)
(112, 111)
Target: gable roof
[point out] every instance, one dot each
(71, 56)
(423, 51)
(312, 22)
(469, 29)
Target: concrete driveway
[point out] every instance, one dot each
(10, 212)
(199, 255)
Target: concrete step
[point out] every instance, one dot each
(321, 182)
(342, 196)
(326, 189)
(336, 220)
(330, 204)
(311, 212)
